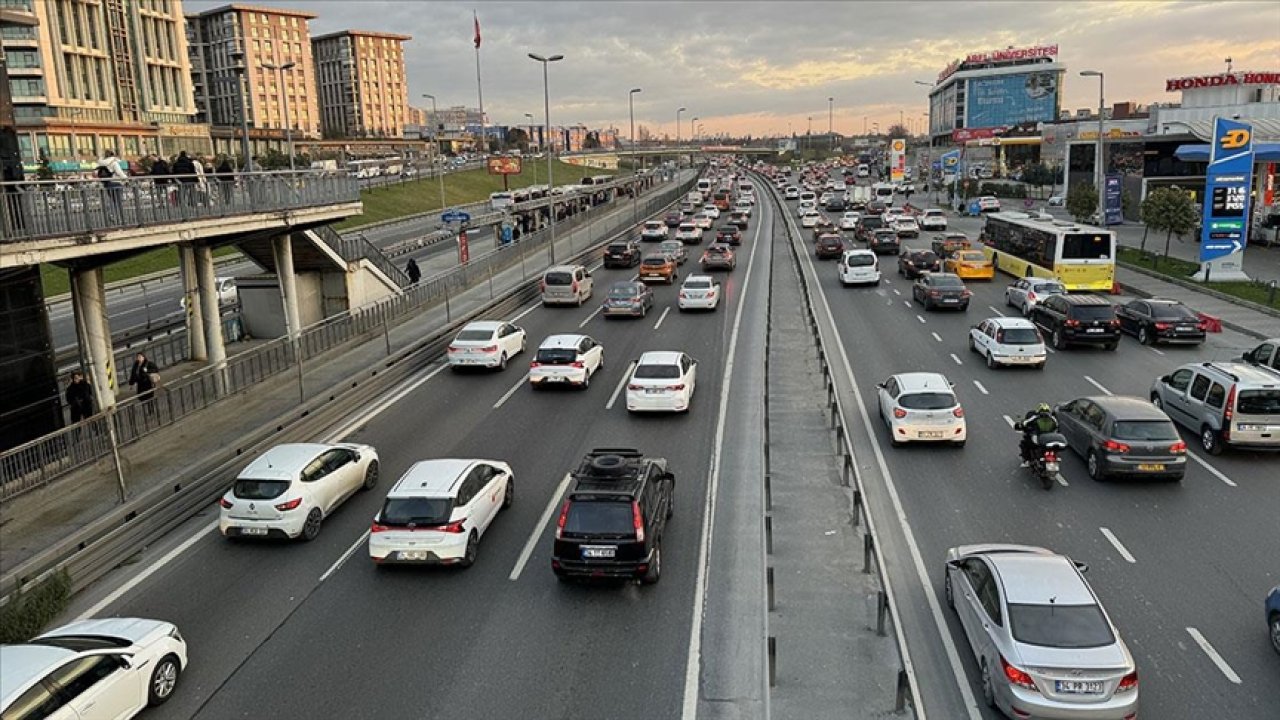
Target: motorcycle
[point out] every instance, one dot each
(1044, 461)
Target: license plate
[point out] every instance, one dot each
(1095, 330)
(653, 391)
(253, 531)
(950, 300)
(1151, 468)
(1078, 687)
(412, 555)
(599, 551)
(1186, 329)
(932, 434)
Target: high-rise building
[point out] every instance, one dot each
(87, 77)
(362, 85)
(233, 51)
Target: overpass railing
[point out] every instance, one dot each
(40, 209)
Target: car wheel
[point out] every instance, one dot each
(988, 689)
(502, 362)
(1094, 466)
(1008, 301)
(644, 310)
(164, 678)
(586, 380)
(655, 568)
(509, 496)
(671, 502)
(973, 347)
(946, 590)
(1274, 623)
(1144, 335)
(522, 340)
(370, 476)
(991, 361)
(311, 528)
(1155, 400)
(1209, 441)
(1059, 342)
(958, 444)
(469, 555)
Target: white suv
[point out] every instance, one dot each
(566, 360)
(921, 407)
(654, 230)
(436, 512)
(859, 267)
(933, 219)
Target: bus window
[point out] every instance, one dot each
(1083, 246)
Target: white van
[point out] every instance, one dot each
(501, 200)
(566, 285)
(704, 187)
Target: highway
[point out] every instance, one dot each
(1181, 567)
(315, 630)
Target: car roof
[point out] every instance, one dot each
(21, 664)
(659, 357)
(623, 284)
(490, 325)
(919, 381)
(1086, 299)
(1243, 372)
(1012, 323)
(430, 476)
(562, 268)
(707, 278)
(283, 462)
(1039, 579)
(859, 251)
(1127, 407)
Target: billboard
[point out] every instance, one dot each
(1226, 208)
(1005, 100)
(897, 160)
(504, 166)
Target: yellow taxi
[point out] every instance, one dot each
(970, 265)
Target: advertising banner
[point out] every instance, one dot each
(897, 160)
(1006, 100)
(504, 166)
(1225, 223)
(1112, 192)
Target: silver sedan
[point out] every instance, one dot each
(1026, 292)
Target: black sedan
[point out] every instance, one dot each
(884, 241)
(1154, 320)
(673, 219)
(913, 263)
(940, 290)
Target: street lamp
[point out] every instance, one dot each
(831, 121)
(678, 111)
(631, 108)
(692, 137)
(529, 117)
(237, 57)
(284, 101)
(435, 140)
(1098, 148)
(551, 146)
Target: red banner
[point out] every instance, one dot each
(966, 134)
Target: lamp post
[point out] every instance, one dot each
(678, 111)
(435, 140)
(529, 117)
(692, 120)
(284, 101)
(237, 57)
(546, 107)
(631, 108)
(831, 109)
(1098, 149)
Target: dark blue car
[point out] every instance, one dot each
(1273, 616)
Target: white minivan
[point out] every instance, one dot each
(566, 285)
(859, 267)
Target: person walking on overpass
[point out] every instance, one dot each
(184, 169)
(226, 175)
(111, 173)
(144, 376)
(411, 269)
(79, 397)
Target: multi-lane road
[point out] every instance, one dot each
(1182, 567)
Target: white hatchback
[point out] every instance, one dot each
(437, 512)
(743, 206)
(702, 221)
(809, 219)
(712, 210)
(699, 292)
(1006, 341)
(859, 267)
(921, 407)
(290, 489)
(849, 220)
(662, 381)
(566, 360)
(689, 233)
(933, 219)
(485, 343)
(791, 193)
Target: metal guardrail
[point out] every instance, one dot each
(357, 247)
(44, 209)
(907, 690)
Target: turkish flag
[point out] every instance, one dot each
(477, 21)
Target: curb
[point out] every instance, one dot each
(1135, 290)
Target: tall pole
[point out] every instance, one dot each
(435, 137)
(284, 100)
(1098, 149)
(529, 117)
(691, 122)
(484, 136)
(831, 121)
(546, 108)
(678, 111)
(631, 107)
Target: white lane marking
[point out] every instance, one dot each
(1061, 480)
(1119, 546)
(937, 337)
(532, 542)
(921, 319)
(1213, 655)
(1213, 470)
(536, 304)
(589, 317)
(343, 558)
(896, 291)
(387, 402)
(1098, 385)
(957, 359)
(151, 569)
(994, 310)
(981, 389)
(663, 317)
(1008, 420)
(507, 395)
(922, 574)
(907, 303)
(1158, 352)
(693, 661)
(622, 382)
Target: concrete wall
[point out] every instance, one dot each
(262, 310)
(366, 285)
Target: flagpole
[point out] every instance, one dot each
(484, 137)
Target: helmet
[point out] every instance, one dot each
(1043, 407)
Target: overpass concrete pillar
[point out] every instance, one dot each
(282, 248)
(207, 288)
(89, 302)
(191, 296)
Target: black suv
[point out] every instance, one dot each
(622, 253)
(612, 523)
(1076, 319)
(867, 224)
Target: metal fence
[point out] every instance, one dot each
(45, 209)
(36, 463)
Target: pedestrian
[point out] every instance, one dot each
(184, 169)
(161, 179)
(144, 376)
(12, 175)
(79, 397)
(411, 269)
(226, 175)
(111, 174)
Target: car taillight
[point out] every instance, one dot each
(577, 364)
(1231, 403)
(291, 505)
(489, 348)
(1162, 326)
(1128, 682)
(899, 413)
(676, 388)
(535, 364)
(225, 503)
(542, 286)
(1031, 295)
(635, 387)
(965, 293)
(453, 348)
(1202, 325)
(1178, 448)
(1050, 456)
(455, 527)
(564, 515)
(1017, 676)
(683, 295)
(1115, 446)
(637, 521)
(1071, 323)
(1115, 323)
(935, 293)
(377, 528)
(958, 412)
(574, 286)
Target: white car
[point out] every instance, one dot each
(1006, 341)
(1057, 201)
(699, 292)
(989, 203)
(226, 292)
(891, 215)
(791, 193)
(933, 219)
(485, 343)
(654, 230)
(809, 219)
(849, 220)
(290, 489)
(702, 221)
(921, 407)
(675, 249)
(859, 267)
(711, 210)
(743, 207)
(566, 360)
(103, 668)
(1026, 292)
(906, 226)
(689, 233)
(436, 513)
(662, 380)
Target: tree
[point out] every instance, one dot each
(897, 130)
(1037, 175)
(517, 137)
(1082, 201)
(591, 141)
(1169, 209)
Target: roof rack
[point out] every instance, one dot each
(1221, 369)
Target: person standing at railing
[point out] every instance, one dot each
(11, 173)
(184, 168)
(160, 178)
(411, 269)
(144, 376)
(79, 397)
(112, 175)
(226, 175)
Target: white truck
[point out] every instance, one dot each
(858, 194)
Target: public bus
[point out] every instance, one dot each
(1081, 257)
(501, 200)
(721, 199)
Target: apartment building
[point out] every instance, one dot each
(363, 91)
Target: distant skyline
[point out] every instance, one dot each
(767, 67)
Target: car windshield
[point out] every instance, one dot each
(627, 290)
(670, 246)
(1258, 402)
(688, 227)
(653, 225)
(558, 278)
(599, 517)
(885, 235)
(932, 213)
(973, 257)
(1085, 246)
(1049, 288)
(945, 281)
(557, 356)
(698, 284)
(1172, 312)
(250, 489)
(927, 401)
(618, 248)
(400, 512)
(1060, 626)
(655, 261)
(474, 335)
(860, 260)
(1093, 312)
(656, 372)
(1144, 430)
(924, 257)
(1019, 336)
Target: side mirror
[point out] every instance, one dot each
(1082, 567)
(126, 662)
(1166, 379)
(1249, 356)
(953, 563)
(355, 457)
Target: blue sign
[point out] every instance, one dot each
(975, 208)
(458, 216)
(1006, 100)
(951, 160)
(1226, 193)
(1113, 211)
(507, 233)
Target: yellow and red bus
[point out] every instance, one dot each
(1081, 257)
(721, 199)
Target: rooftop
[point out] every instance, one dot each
(235, 7)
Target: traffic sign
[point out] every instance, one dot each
(458, 216)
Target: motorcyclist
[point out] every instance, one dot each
(1036, 422)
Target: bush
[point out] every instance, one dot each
(33, 608)
(1003, 190)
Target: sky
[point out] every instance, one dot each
(766, 68)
